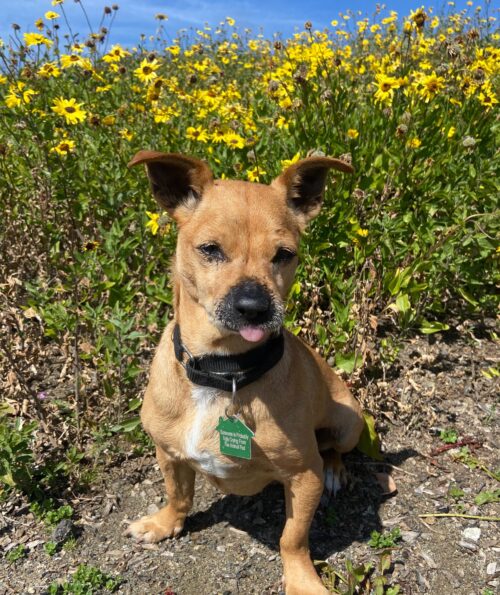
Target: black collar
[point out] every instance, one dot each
(229, 372)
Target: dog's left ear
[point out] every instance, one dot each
(304, 183)
(176, 180)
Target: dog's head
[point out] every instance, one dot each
(238, 241)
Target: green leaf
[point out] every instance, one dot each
(369, 442)
(430, 327)
(347, 362)
(127, 426)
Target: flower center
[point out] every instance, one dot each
(70, 109)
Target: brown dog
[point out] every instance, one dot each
(232, 394)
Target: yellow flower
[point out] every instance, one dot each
(57, 2)
(430, 85)
(230, 21)
(282, 123)
(108, 120)
(175, 50)
(64, 147)
(68, 108)
(68, 60)
(49, 69)
(414, 143)
(153, 222)
(233, 140)
(51, 15)
(451, 132)
(288, 162)
(19, 94)
(487, 96)
(217, 136)
(352, 133)
(39, 24)
(385, 88)
(198, 133)
(147, 70)
(362, 232)
(254, 174)
(37, 39)
(3, 79)
(115, 54)
(126, 134)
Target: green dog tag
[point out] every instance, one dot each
(235, 438)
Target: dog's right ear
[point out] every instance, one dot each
(176, 180)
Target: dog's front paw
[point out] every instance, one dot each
(155, 527)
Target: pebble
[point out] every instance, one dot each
(472, 533)
(468, 545)
(409, 536)
(491, 568)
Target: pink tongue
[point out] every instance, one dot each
(252, 333)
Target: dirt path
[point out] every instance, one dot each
(230, 543)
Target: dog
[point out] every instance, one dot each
(232, 394)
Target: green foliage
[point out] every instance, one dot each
(86, 581)
(48, 512)
(449, 436)
(50, 548)
(384, 540)
(16, 454)
(16, 553)
(369, 441)
(365, 579)
(487, 497)
(409, 236)
(455, 492)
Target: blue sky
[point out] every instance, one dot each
(135, 17)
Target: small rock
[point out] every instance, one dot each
(468, 545)
(491, 568)
(63, 530)
(409, 536)
(221, 548)
(472, 533)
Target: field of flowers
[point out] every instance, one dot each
(410, 239)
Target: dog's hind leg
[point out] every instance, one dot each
(169, 521)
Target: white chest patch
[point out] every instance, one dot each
(206, 403)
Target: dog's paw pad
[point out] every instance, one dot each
(147, 530)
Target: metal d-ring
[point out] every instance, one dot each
(233, 397)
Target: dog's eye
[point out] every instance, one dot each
(283, 256)
(212, 252)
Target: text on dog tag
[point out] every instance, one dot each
(235, 438)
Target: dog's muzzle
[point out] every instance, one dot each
(250, 304)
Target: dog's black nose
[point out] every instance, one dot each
(251, 300)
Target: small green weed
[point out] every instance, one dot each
(467, 458)
(455, 492)
(50, 548)
(86, 581)
(47, 511)
(448, 436)
(384, 540)
(16, 553)
(16, 455)
(365, 579)
(487, 497)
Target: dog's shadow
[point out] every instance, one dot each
(351, 516)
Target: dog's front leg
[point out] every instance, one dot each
(302, 494)
(169, 521)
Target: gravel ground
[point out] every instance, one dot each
(229, 544)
